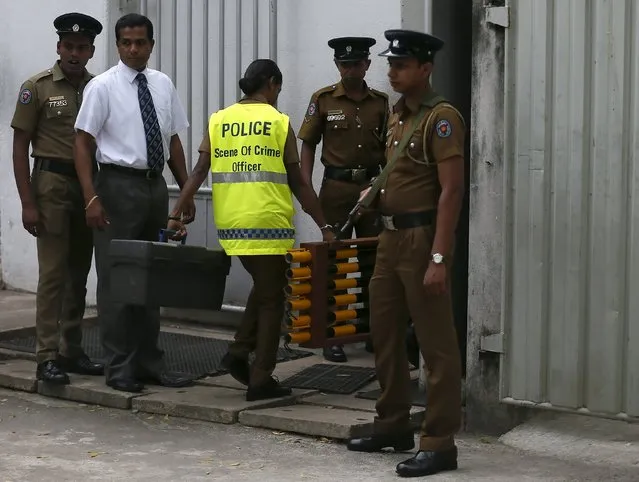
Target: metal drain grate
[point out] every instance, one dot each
(417, 398)
(196, 356)
(327, 378)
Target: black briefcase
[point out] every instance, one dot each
(163, 274)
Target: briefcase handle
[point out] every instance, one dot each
(166, 233)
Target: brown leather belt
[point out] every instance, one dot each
(356, 175)
(409, 220)
(146, 173)
(57, 167)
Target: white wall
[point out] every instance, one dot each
(28, 46)
(304, 28)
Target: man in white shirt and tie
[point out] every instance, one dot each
(133, 115)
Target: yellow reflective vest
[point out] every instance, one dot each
(252, 202)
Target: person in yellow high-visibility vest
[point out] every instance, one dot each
(251, 152)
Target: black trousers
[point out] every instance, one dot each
(137, 208)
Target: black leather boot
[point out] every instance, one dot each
(400, 442)
(426, 462)
(81, 365)
(50, 371)
(270, 389)
(335, 354)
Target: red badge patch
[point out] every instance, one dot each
(443, 128)
(311, 109)
(25, 96)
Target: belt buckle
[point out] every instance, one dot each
(151, 174)
(388, 223)
(359, 175)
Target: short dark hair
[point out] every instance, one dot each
(131, 20)
(257, 75)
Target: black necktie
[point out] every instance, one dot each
(154, 148)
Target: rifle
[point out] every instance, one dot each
(365, 202)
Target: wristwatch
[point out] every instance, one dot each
(437, 258)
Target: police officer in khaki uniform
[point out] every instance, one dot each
(420, 205)
(52, 202)
(350, 118)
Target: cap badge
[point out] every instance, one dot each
(348, 49)
(396, 43)
(75, 28)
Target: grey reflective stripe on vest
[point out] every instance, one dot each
(257, 233)
(252, 176)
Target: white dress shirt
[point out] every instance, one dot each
(110, 112)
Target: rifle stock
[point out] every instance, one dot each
(365, 202)
(353, 215)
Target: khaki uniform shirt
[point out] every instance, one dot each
(290, 146)
(47, 107)
(353, 132)
(413, 184)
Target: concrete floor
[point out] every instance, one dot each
(43, 439)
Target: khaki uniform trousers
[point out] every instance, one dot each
(260, 328)
(65, 251)
(397, 291)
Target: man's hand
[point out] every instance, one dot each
(363, 194)
(96, 216)
(328, 236)
(31, 220)
(435, 279)
(188, 210)
(178, 227)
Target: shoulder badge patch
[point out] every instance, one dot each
(25, 96)
(443, 128)
(311, 109)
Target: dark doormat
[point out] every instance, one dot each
(418, 398)
(196, 356)
(342, 380)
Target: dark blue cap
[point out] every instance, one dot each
(351, 49)
(408, 43)
(77, 23)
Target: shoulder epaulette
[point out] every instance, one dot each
(380, 93)
(325, 90)
(41, 75)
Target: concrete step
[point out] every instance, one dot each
(577, 438)
(310, 419)
(92, 391)
(208, 403)
(357, 404)
(332, 416)
(217, 399)
(18, 375)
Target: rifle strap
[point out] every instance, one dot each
(381, 179)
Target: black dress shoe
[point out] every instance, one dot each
(82, 365)
(125, 385)
(271, 389)
(335, 354)
(237, 367)
(426, 462)
(168, 380)
(51, 372)
(376, 443)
